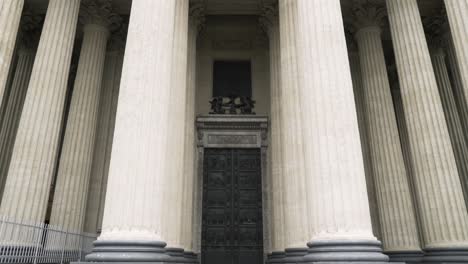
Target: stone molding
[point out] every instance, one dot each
(228, 131)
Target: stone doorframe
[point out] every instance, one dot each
(232, 131)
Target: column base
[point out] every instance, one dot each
(179, 255)
(345, 251)
(276, 257)
(410, 256)
(130, 252)
(295, 255)
(446, 255)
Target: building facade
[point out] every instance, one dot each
(235, 131)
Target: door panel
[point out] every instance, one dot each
(232, 207)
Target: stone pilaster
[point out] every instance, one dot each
(296, 219)
(35, 150)
(363, 133)
(105, 131)
(457, 13)
(137, 171)
(443, 214)
(270, 21)
(69, 204)
(336, 184)
(10, 16)
(30, 32)
(174, 180)
(395, 205)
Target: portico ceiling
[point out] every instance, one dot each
(237, 7)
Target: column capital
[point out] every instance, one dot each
(118, 39)
(31, 26)
(99, 12)
(437, 31)
(368, 14)
(269, 18)
(197, 15)
(350, 41)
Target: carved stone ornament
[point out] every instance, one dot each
(437, 29)
(31, 26)
(99, 12)
(368, 13)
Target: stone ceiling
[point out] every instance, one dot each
(238, 7)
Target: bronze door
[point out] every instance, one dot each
(232, 207)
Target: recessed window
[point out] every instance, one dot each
(232, 78)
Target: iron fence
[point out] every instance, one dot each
(41, 243)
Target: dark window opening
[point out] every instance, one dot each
(232, 78)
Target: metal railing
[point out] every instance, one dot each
(41, 243)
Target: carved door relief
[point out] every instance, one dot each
(232, 207)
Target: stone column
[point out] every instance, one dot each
(336, 184)
(444, 218)
(30, 33)
(69, 203)
(292, 161)
(35, 150)
(174, 180)
(457, 85)
(190, 173)
(436, 34)
(395, 205)
(104, 132)
(270, 21)
(457, 12)
(10, 16)
(451, 116)
(363, 133)
(137, 172)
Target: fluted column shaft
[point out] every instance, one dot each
(356, 77)
(13, 110)
(293, 182)
(35, 150)
(176, 133)
(103, 142)
(10, 16)
(137, 171)
(271, 23)
(457, 85)
(443, 214)
(189, 165)
(334, 164)
(396, 211)
(69, 204)
(457, 12)
(451, 116)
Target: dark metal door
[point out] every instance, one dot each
(232, 207)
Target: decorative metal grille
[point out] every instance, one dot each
(41, 243)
